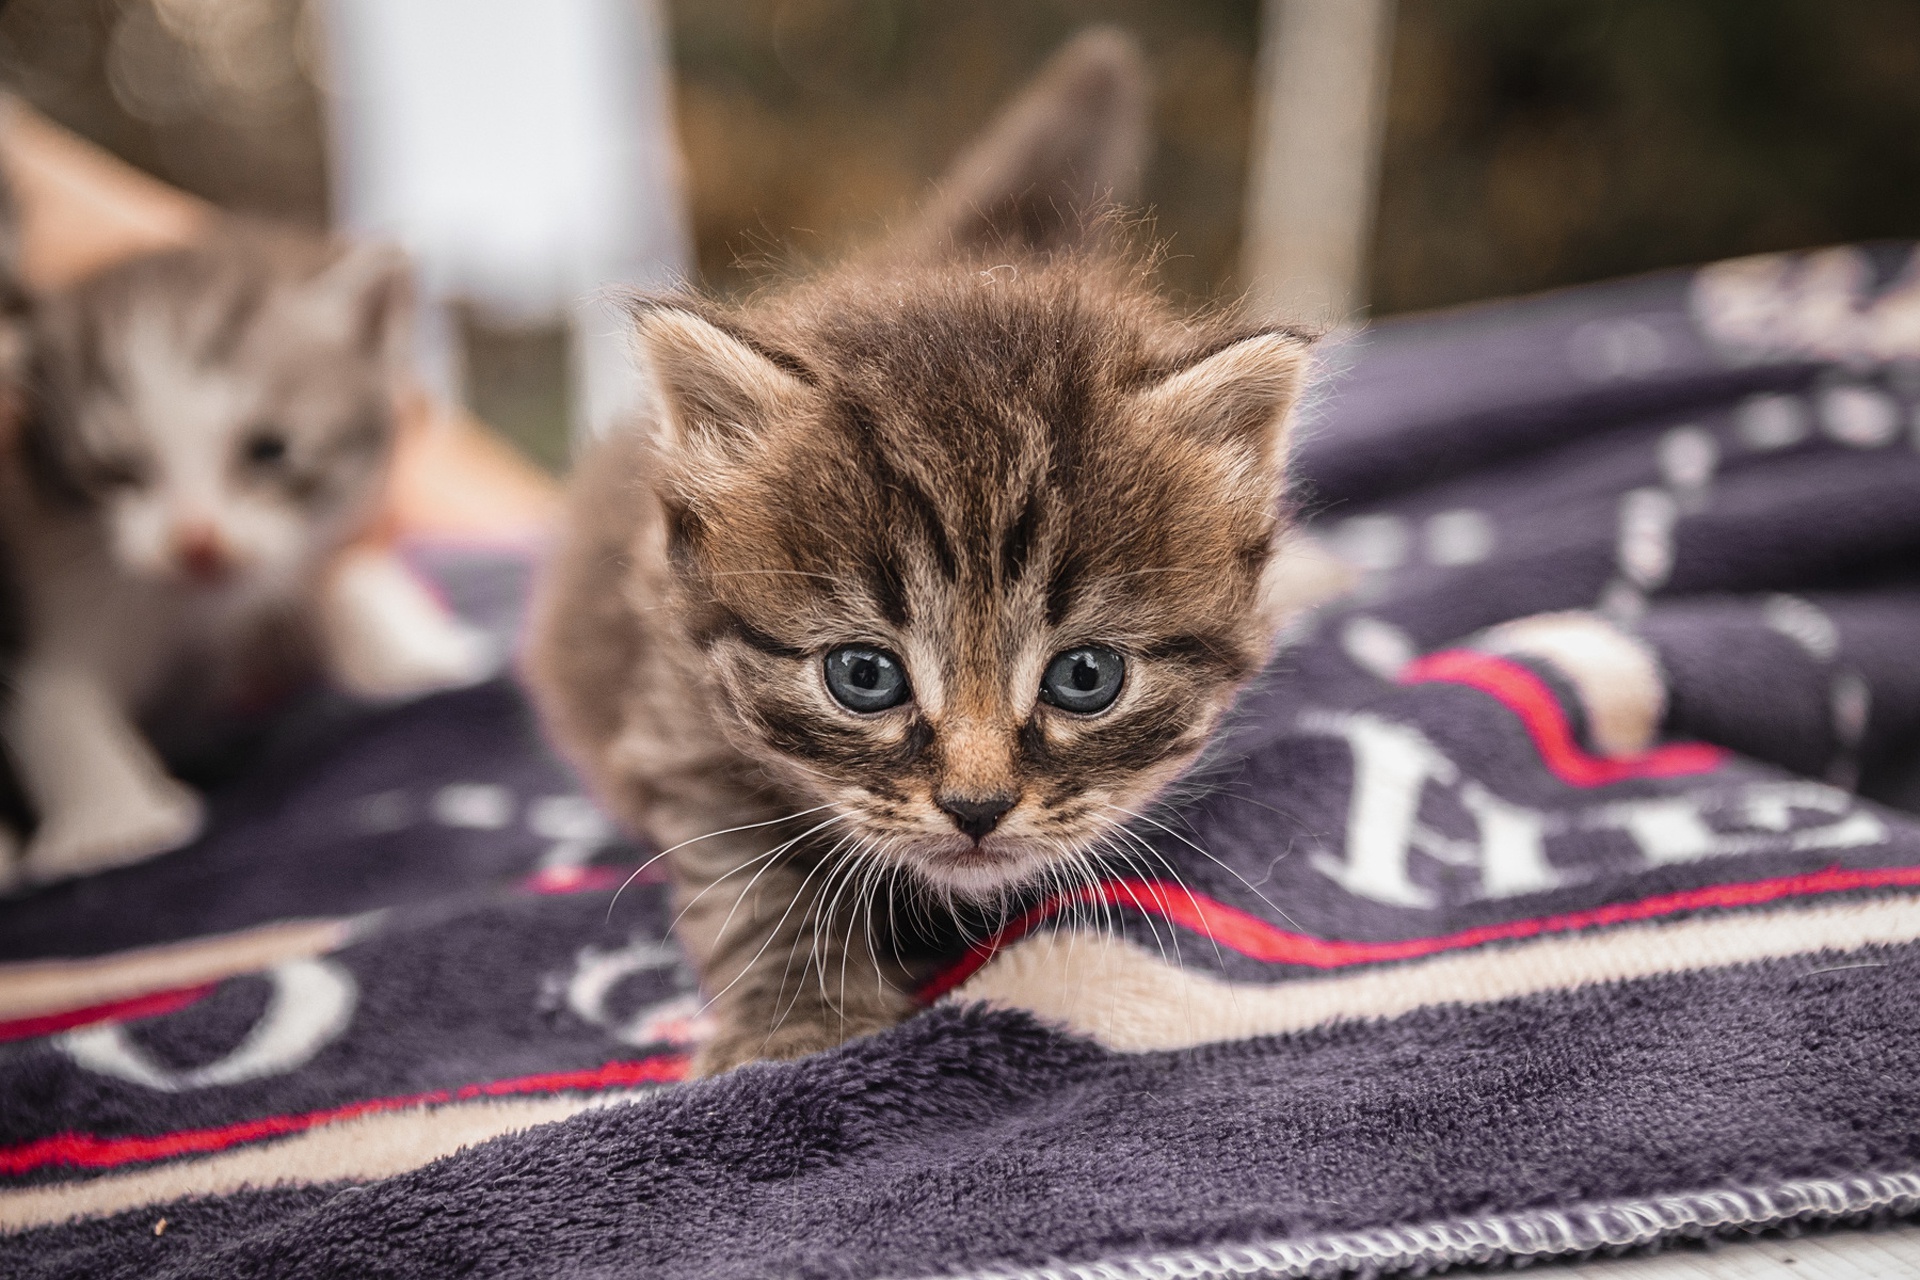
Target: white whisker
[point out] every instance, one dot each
(1209, 857)
(722, 932)
(726, 831)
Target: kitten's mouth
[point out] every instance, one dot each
(977, 865)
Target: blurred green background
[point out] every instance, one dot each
(1529, 144)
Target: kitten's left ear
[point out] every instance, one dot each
(367, 293)
(1239, 397)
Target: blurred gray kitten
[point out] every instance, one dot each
(207, 429)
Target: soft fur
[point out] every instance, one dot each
(208, 427)
(974, 463)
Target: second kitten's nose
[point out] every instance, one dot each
(201, 552)
(976, 815)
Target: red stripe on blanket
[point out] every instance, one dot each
(147, 1006)
(91, 1151)
(1528, 697)
(565, 880)
(1253, 937)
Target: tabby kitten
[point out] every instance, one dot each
(210, 426)
(938, 574)
(922, 578)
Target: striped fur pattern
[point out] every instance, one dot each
(974, 467)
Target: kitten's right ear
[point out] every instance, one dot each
(1237, 401)
(366, 294)
(716, 391)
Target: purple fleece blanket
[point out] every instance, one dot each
(1588, 932)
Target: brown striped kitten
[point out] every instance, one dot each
(922, 580)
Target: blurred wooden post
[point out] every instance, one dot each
(1319, 115)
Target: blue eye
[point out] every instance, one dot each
(866, 680)
(1084, 680)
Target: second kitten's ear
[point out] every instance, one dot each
(1069, 147)
(1239, 397)
(367, 293)
(716, 393)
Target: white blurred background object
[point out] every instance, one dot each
(1319, 121)
(523, 151)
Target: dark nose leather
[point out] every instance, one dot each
(976, 815)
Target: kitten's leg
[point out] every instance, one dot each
(103, 796)
(387, 637)
(10, 870)
(790, 970)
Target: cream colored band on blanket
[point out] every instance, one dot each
(1119, 993)
(1616, 675)
(34, 987)
(366, 1147)
(1129, 998)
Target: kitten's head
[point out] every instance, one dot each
(978, 555)
(224, 410)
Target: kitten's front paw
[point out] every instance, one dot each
(798, 1035)
(443, 653)
(728, 1050)
(388, 637)
(102, 837)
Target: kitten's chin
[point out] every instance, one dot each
(989, 867)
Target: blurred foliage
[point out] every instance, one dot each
(1530, 143)
(216, 96)
(516, 381)
(1533, 143)
(809, 123)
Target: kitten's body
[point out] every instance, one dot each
(975, 471)
(978, 475)
(839, 627)
(210, 426)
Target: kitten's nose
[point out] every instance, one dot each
(201, 552)
(976, 815)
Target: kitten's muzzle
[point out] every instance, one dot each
(976, 815)
(202, 555)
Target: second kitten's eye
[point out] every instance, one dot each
(264, 448)
(1084, 680)
(866, 680)
(125, 472)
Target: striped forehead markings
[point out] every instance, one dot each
(1017, 546)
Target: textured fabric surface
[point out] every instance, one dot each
(1432, 961)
